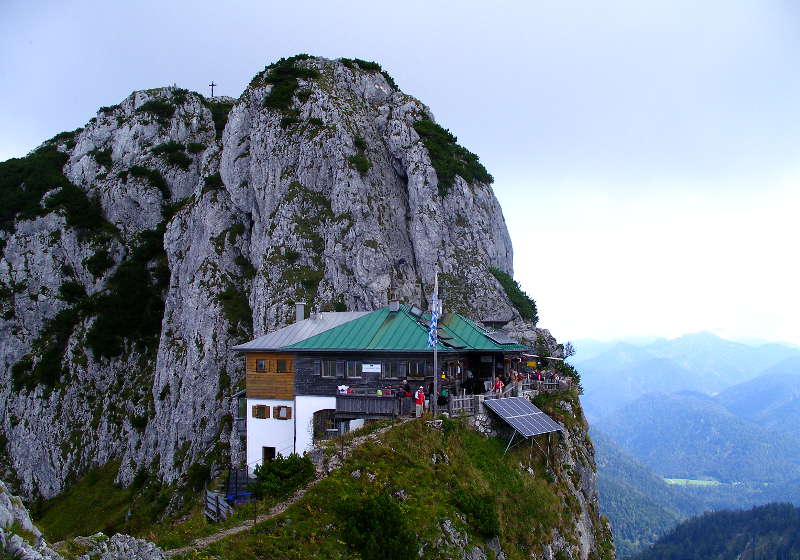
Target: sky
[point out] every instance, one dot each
(646, 154)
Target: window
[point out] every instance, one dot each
(401, 368)
(316, 367)
(281, 366)
(260, 411)
(329, 368)
(392, 370)
(353, 370)
(282, 412)
(267, 454)
(340, 365)
(418, 368)
(261, 365)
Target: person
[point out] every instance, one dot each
(498, 385)
(419, 400)
(406, 388)
(442, 398)
(429, 395)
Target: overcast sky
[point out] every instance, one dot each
(646, 154)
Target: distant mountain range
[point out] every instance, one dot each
(697, 407)
(771, 531)
(693, 436)
(616, 373)
(639, 504)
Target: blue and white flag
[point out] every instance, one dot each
(433, 333)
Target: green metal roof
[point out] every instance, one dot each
(402, 331)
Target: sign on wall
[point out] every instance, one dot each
(371, 368)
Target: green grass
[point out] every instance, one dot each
(95, 503)
(468, 465)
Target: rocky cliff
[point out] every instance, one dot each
(137, 250)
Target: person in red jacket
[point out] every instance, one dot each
(419, 400)
(498, 385)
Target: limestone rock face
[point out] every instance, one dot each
(257, 207)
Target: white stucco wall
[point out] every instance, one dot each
(307, 405)
(268, 432)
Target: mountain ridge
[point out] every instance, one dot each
(179, 226)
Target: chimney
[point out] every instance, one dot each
(394, 305)
(300, 311)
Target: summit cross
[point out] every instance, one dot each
(211, 85)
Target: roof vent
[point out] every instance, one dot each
(299, 311)
(394, 305)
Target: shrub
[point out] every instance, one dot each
(179, 95)
(448, 158)
(195, 147)
(72, 292)
(102, 157)
(212, 183)
(23, 182)
(132, 307)
(359, 143)
(197, 475)
(236, 308)
(360, 163)
(480, 510)
(376, 528)
(282, 476)
(283, 76)
(158, 108)
(173, 152)
(152, 176)
(50, 347)
(316, 121)
(289, 119)
(81, 212)
(219, 114)
(519, 299)
(368, 66)
(99, 262)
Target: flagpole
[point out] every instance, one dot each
(435, 309)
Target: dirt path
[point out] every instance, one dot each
(203, 542)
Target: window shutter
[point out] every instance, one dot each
(282, 412)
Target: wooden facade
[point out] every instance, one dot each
(269, 375)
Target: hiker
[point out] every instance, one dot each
(429, 396)
(442, 399)
(406, 388)
(419, 401)
(498, 385)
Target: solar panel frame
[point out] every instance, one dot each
(523, 416)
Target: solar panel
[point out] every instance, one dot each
(523, 416)
(500, 338)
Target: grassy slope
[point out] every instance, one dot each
(529, 507)
(95, 503)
